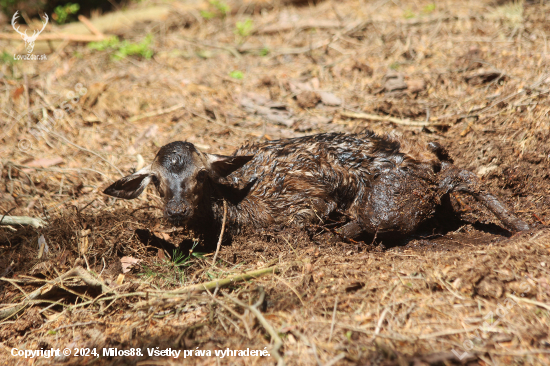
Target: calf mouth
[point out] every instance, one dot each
(176, 219)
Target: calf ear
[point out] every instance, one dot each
(222, 165)
(132, 185)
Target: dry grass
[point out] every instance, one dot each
(476, 72)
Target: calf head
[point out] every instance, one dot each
(183, 176)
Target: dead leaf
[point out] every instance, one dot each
(362, 66)
(45, 162)
(308, 99)
(297, 87)
(91, 118)
(92, 94)
(471, 60)
(42, 246)
(268, 81)
(416, 85)
(43, 267)
(140, 162)
(489, 287)
(162, 235)
(483, 76)
(329, 99)
(128, 263)
(17, 93)
(84, 243)
(272, 111)
(394, 82)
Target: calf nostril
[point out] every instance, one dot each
(176, 209)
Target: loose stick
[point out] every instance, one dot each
(22, 220)
(90, 26)
(156, 113)
(76, 272)
(221, 233)
(227, 281)
(277, 342)
(58, 37)
(398, 121)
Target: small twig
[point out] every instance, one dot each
(299, 25)
(292, 288)
(90, 26)
(27, 99)
(57, 37)
(532, 302)
(232, 312)
(273, 334)
(220, 123)
(308, 343)
(446, 333)
(396, 337)
(176, 294)
(8, 269)
(227, 48)
(231, 322)
(60, 170)
(221, 233)
(450, 290)
(54, 303)
(23, 220)
(380, 321)
(35, 295)
(158, 112)
(333, 319)
(299, 50)
(335, 360)
(14, 283)
(397, 121)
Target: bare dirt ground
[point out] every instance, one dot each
(472, 75)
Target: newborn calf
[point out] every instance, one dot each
(377, 183)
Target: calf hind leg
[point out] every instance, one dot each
(396, 203)
(454, 179)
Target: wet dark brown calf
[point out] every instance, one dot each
(378, 184)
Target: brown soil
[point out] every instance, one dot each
(478, 74)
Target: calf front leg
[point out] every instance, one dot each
(454, 179)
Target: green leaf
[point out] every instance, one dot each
(429, 8)
(236, 74)
(244, 29)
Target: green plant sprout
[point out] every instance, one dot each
(122, 49)
(172, 271)
(6, 58)
(428, 8)
(408, 14)
(220, 8)
(236, 74)
(63, 13)
(244, 29)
